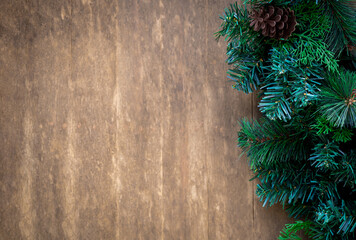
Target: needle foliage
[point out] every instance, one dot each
(303, 149)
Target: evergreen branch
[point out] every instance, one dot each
(294, 188)
(309, 43)
(270, 143)
(235, 22)
(342, 135)
(288, 86)
(345, 173)
(339, 220)
(343, 29)
(274, 102)
(301, 151)
(323, 127)
(309, 50)
(325, 156)
(290, 231)
(244, 48)
(247, 70)
(338, 104)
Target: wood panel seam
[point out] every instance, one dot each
(206, 80)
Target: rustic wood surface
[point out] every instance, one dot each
(117, 122)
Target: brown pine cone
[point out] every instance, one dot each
(274, 22)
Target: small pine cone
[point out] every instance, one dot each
(274, 22)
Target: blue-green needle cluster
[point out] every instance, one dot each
(303, 149)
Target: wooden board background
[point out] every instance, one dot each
(117, 122)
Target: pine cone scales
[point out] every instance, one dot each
(274, 22)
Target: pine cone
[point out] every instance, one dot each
(274, 22)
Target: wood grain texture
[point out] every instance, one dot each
(117, 122)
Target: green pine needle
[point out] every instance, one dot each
(338, 100)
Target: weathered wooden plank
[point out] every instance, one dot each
(43, 58)
(184, 136)
(139, 120)
(92, 120)
(16, 219)
(117, 123)
(49, 72)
